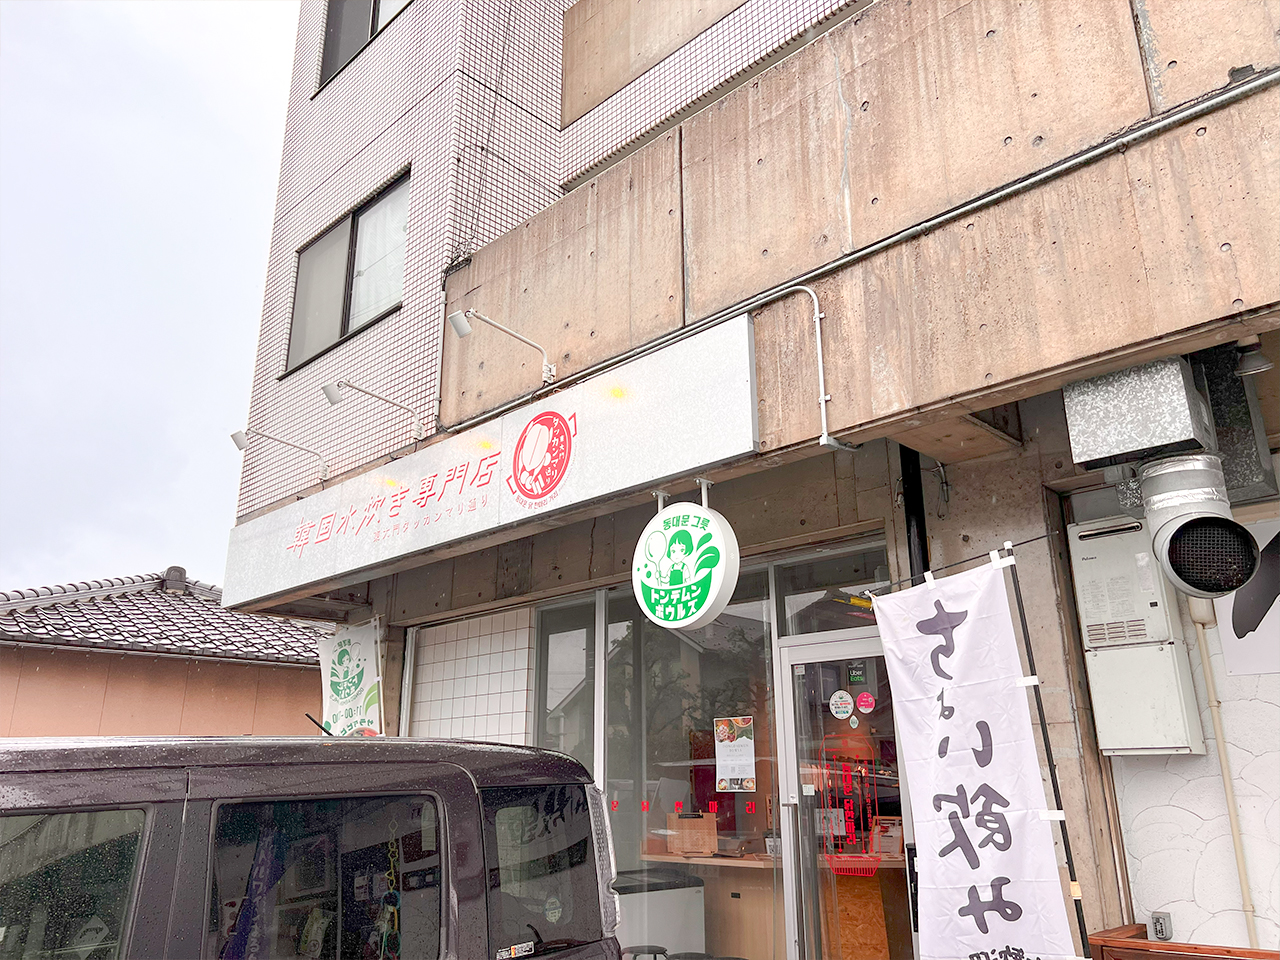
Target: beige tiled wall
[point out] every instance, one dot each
(473, 679)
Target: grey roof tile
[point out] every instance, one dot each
(137, 613)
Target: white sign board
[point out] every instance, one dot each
(685, 566)
(668, 414)
(349, 673)
(988, 873)
(1249, 618)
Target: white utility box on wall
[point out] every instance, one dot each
(1143, 699)
(1139, 673)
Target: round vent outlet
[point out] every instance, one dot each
(1213, 555)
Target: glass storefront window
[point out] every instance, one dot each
(66, 880)
(686, 719)
(566, 667)
(828, 593)
(695, 841)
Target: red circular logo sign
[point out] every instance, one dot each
(542, 455)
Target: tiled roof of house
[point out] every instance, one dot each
(153, 613)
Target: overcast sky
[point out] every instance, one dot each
(139, 152)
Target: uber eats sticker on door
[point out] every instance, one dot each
(685, 566)
(350, 680)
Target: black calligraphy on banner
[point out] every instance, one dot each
(992, 822)
(943, 623)
(1006, 952)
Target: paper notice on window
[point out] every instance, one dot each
(735, 754)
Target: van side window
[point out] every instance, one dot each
(352, 877)
(540, 859)
(66, 882)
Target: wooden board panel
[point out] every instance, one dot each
(956, 440)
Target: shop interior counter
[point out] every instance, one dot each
(758, 860)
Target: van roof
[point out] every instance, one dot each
(489, 764)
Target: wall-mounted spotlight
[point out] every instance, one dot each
(241, 439)
(458, 321)
(333, 393)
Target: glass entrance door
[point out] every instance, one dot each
(849, 813)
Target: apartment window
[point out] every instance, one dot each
(349, 26)
(350, 275)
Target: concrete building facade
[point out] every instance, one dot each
(899, 230)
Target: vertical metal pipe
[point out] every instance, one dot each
(913, 507)
(1048, 755)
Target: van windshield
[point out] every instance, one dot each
(543, 894)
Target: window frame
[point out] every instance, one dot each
(352, 219)
(540, 671)
(442, 843)
(492, 856)
(374, 33)
(128, 920)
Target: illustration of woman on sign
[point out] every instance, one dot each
(680, 547)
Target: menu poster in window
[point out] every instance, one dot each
(989, 879)
(735, 754)
(351, 681)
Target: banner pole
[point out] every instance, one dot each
(1048, 752)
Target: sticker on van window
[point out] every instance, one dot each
(518, 950)
(552, 909)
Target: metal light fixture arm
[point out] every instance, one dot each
(548, 368)
(418, 430)
(324, 466)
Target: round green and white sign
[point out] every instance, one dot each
(685, 566)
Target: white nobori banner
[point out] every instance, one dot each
(989, 881)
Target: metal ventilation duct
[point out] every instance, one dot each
(1200, 548)
(1137, 414)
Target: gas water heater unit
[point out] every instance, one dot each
(1139, 671)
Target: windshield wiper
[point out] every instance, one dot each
(541, 947)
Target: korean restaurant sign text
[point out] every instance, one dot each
(667, 414)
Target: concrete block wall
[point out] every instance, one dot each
(889, 118)
(473, 679)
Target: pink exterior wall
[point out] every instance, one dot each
(60, 692)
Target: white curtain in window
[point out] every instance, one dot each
(378, 282)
